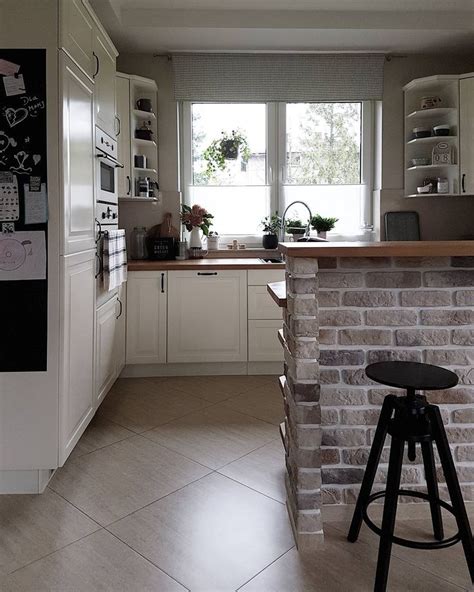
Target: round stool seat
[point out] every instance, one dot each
(412, 375)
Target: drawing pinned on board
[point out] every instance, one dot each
(8, 68)
(20, 158)
(15, 116)
(36, 204)
(23, 256)
(14, 85)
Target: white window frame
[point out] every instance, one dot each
(276, 161)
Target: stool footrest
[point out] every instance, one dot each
(448, 542)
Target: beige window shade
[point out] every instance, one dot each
(278, 77)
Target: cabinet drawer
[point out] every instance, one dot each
(261, 305)
(264, 345)
(262, 277)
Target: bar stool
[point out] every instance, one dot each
(411, 419)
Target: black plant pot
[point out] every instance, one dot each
(230, 150)
(270, 241)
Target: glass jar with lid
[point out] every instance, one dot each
(138, 243)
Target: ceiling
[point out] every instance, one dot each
(389, 26)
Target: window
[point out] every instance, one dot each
(319, 153)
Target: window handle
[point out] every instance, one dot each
(270, 174)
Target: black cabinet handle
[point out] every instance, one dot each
(207, 272)
(119, 125)
(162, 283)
(121, 308)
(97, 64)
(129, 190)
(463, 186)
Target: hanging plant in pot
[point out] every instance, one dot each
(323, 225)
(271, 226)
(227, 147)
(196, 219)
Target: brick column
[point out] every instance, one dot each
(301, 391)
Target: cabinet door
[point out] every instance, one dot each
(76, 34)
(77, 348)
(146, 317)
(105, 358)
(121, 329)
(122, 99)
(78, 167)
(261, 305)
(207, 316)
(466, 129)
(104, 78)
(264, 345)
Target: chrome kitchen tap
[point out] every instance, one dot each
(283, 220)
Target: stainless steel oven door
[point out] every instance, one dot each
(106, 178)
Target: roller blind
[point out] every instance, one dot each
(278, 77)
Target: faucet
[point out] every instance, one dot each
(283, 220)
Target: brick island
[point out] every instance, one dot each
(348, 305)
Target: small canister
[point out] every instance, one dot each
(442, 185)
(182, 250)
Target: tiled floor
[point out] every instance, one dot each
(177, 484)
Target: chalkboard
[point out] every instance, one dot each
(23, 211)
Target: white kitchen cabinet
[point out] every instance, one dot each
(120, 333)
(104, 79)
(77, 120)
(106, 348)
(122, 101)
(264, 345)
(261, 304)
(207, 316)
(77, 401)
(76, 34)
(146, 317)
(466, 126)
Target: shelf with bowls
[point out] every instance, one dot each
(430, 140)
(145, 171)
(433, 195)
(139, 199)
(430, 166)
(144, 114)
(147, 143)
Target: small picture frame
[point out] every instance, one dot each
(442, 153)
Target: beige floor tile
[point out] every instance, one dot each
(31, 526)
(340, 566)
(111, 482)
(262, 470)
(215, 436)
(97, 563)
(142, 408)
(449, 563)
(264, 402)
(99, 433)
(211, 536)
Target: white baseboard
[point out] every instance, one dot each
(207, 369)
(28, 481)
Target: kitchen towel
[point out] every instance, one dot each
(115, 259)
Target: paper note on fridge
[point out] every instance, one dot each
(8, 68)
(14, 85)
(23, 256)
(36, 203)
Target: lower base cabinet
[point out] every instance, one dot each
(77, 402)
(207, 316)
(264, 345)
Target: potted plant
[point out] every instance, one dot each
(271, 226)
(294, 226)
(196, 218)
(227, 147)
(323, 225)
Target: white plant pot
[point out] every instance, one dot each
(195, 238)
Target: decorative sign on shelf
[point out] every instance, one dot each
(442, 153)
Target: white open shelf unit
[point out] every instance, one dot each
(447, 88)
(143, 88)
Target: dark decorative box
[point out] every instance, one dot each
(161, 248)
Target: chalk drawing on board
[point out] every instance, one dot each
(23, 256)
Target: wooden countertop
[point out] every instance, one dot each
(380, 249)
(203, 264)
(277, 291)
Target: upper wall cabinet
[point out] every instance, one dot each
(76, 34)
(466, 119)
(122, 102)
(104, 78)
(77, 152)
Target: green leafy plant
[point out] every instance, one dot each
(295, 226)
(322, 224)
(271, 224)
(227, 147)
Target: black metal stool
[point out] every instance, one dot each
(411, 419)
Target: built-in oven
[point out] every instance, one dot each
(106, 185)
(106, 218)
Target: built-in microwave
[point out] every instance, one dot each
(106, 185)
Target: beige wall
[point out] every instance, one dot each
(440, 217)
